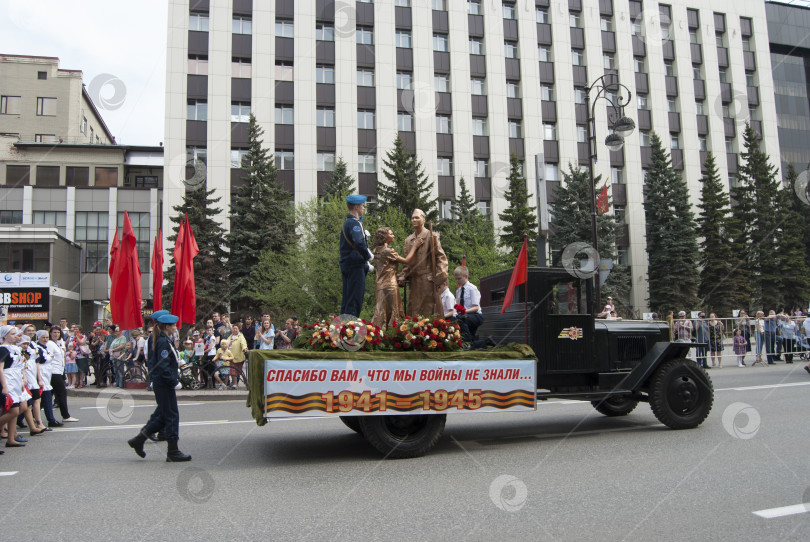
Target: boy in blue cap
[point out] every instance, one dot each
(354, 256)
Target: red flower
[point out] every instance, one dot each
(397, 345)
(460, 309)
(436, 323)
(395, 324)
(425, 348)
(415, 319)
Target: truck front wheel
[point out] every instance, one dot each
(399, 437)
(681, 394)
(615, 405)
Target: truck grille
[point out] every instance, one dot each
(632, 348)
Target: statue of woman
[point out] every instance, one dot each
(389, 305)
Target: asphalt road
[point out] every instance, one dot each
(562, 473)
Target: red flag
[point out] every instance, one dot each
(602, 206)
(113, 252)
(519, 275)
(157, 272)
(125, 294)
(184, 299)
(464, 260)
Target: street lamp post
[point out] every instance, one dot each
(622, 126)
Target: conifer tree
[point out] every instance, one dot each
(794, 279)
(757, 206)
(261, 215)
(571, 223)
(463, 207)
(519, 218)
(672, 248)
(408, 187)
(723, 281)
(211, 282)
(340, 183)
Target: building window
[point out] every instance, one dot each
(481, 168)
(365, 78)
(746, 44)
(324, 32)
(440, 43)
(753, 114)
(140, 227)
(474, 7)
(241, 67)
(10, 217)
(674, 142)
(542, 15)
(577, 58)
(544, 53)
(404, 80)
(547, 93)
(579, 96)
(609, 62)
(240, 112)
(402, 3)
(441, 83)
(644, 138)
(326, 161)
(325, 117)
(639, 65)
(143, 181)
(641, 100)
(514, 129)
(552, 173)
(367, 163)
(46, 107)
(325, 74)
(365, 120)
(509, 11)
(284, 29)
(46, 138)
(512, 89)
(702, 146)
(444, 166)
(729, 146)
(476, 46)
(693, 36)
(510, 49)
(365, 36)
(606, 24)
(285, 114)
(91, 232)
(77, 176)
(699, 108)
(197, 110)
(582, 134)
(10, 105)
(723, 75)
(672, 105)
(443, 124)
(549, 132)
(669, 68)
(477, 87)
(484, 207)
(404, 122)
(196, 153)
(618, 214)
(198, 22)
(726, 111)
(284, 71)
(750, 79)
(446, 209)
(480, 126)
(617, 175)
(285, 160)
(402, 39)
(242, 25)
(574, 21)
(17, 175)
(439, 5)
(197, 65)
(105, 176)
(718, 38)
(635, 28)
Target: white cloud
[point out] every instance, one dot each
(99, 37)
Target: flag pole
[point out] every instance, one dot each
(526, 296)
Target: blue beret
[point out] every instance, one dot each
(355, 199)
(158, 314)
(167, 318)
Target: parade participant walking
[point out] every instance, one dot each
(427, 272)
(56, 349)
(354, 256)
(11, 382)
(163, 362)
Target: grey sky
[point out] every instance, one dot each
(123, 39)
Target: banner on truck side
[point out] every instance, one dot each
(348, 388)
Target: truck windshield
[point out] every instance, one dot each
(567, 297)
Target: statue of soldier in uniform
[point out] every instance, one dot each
(354, 256)
(427, 271)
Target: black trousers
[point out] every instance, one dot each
(354, 289)
(166, 416)
(469, 324)
(58, 385)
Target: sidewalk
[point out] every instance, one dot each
(182, 395)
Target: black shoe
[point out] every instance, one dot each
(136, 443)
(160, 436)
(174, 455)
(55, 424)
(491, 341)
(806, 368)
(21, 425)
(788, 362)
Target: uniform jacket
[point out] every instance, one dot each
(352, 234)
(164, 359)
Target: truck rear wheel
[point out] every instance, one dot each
(352, 422)
(615, 405)
(400, 437)
(681, 394)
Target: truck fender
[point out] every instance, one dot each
(660, 352)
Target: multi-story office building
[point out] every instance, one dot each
(465, 83)
(62, 173)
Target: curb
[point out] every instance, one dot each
(144, 395)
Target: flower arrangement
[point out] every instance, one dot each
(351, 335)
(460, 310)
(415, 333)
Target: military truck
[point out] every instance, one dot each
(574, 355)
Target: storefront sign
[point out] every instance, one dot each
(24, 279)
(26, 303)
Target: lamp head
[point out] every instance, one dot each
(624, 126)
(614, 142)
